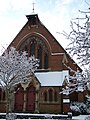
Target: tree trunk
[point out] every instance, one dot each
(9, 114)
(7, 102)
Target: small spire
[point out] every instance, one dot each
(33, 6)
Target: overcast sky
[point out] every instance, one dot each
(54, 14)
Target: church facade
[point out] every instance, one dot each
(42, 93)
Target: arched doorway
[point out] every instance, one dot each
(19, 99)
(30, 100)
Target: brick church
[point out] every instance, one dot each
(42, 93)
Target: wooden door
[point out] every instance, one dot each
(30, 105)
(19, 99)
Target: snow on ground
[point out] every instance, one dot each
(74, 118)
(80, 117)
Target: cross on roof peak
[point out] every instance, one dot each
(33, 6)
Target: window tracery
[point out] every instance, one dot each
(26, 50)
(45, 61)
(35, 46)
(55, 96)
(45, 96)
(39, 56)
(32, 48)
(50, 95)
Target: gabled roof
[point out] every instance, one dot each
(35, 27)
(55, 78)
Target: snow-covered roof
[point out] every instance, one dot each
(55, 78)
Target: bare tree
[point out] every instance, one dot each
(15, 68)
(80, 38)
(79, 47)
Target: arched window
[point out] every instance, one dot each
(45, 96)
(50, 95)
(55, 96)
(3, 97)
(45, 61)
(33, 45)
(0, 94)
(39, 56)
(26, 50)
(32, 49)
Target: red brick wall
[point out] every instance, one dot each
(50, 108)
(47, 106)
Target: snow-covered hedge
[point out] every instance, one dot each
(87, 118)
(78, 108)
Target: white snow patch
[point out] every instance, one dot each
(66, 100)
(80, 117)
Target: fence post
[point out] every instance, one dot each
(69, 116)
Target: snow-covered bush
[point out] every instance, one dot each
(87, 118)
(78, 108)
(11, 116)
(88, 104)
(75, 110)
